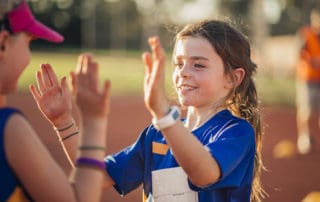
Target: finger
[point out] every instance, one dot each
(46, 79)
(64, 87)
(158, 57)
(51, 75)
(73, 85)
(79, 64)
(35, 93)
(87, 60)
(93, 75)
(86, 75)
(84, 64)
(147, 61)
(153, 44)
(73, 82)
(88, 78)
(40, 82)
(106, 90)
(156, 47)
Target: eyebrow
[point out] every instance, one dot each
(192, 57)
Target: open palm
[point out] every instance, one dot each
(154, 92)
(53, 98)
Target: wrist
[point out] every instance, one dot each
(94, 124)
(62, 121)
(94, 131)
(171, 117)
(65, 125)
(161, 111)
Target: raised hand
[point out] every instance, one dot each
(154, 89)
(53, 98)
(92, 100)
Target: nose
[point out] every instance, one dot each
(184, 71)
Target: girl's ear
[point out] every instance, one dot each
(235, 78)
(3, 42)
(239, 74)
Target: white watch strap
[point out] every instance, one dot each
(168, 120)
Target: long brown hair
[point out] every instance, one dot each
(234, 49)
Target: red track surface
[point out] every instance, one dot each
(287, 180)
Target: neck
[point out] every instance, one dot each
(2, 100)
(198, 116)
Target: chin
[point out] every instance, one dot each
(185, 102)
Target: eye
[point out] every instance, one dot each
(199, 66)
(178, 65)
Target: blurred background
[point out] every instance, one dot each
(121, 27)
(124, 24)
(116, 31)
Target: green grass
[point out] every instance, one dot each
(126, 72)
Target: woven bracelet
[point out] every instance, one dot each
(68, 136)
(90, 163)
(92, 147)
(64, 128)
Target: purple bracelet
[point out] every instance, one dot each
(89, 162)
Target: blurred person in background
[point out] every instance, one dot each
(308, 82)
(27, 170)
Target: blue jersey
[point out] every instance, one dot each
(229, 139)
(10, 187)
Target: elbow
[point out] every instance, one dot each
(205, 178)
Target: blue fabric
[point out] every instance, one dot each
(8, 182)
(229, 139)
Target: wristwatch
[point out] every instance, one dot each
(168, 120)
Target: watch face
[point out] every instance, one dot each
(175, 115)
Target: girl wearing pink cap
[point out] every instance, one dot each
(27, 170)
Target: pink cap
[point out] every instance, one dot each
(21, 19)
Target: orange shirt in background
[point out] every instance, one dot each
(306, 71)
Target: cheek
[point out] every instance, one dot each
(174, 78)
(27, 56)
(25, 60)
(21, 51)
(21, 65)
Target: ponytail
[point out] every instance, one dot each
(245, 104)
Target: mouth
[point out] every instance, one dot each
(186, 88)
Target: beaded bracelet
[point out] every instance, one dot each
(64, 128)
(68, 136)
(90, 163)
(92, 147)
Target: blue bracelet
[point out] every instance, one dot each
(91, 163)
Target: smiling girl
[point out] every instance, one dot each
(214, 153)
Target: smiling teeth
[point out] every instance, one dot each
(186, 88)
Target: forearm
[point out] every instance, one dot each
(200, 166)
(92, 147)
(69, 137)
(91, 138)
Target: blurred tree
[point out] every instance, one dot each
(62, 15)
(294, 13)
(125, 25)
(120, 24)
(88, 23)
